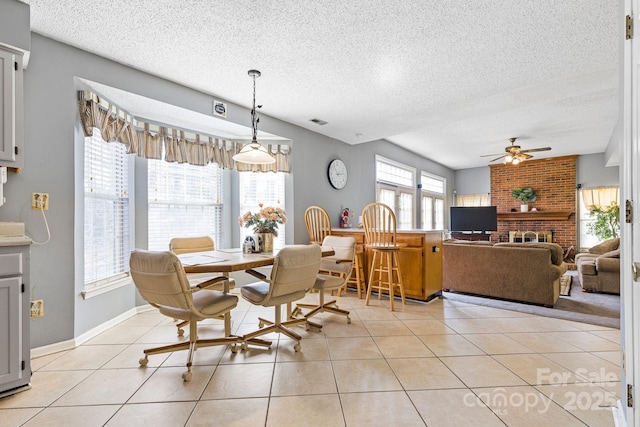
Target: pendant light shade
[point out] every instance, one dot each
(254, 153)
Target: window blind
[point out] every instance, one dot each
(184, 201)
(106, 212)
(265, 188)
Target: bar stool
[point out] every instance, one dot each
(380, 236)
(318, 224)
(357, 276)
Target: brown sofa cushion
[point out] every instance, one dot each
(588, 268)
(606, 246)
(557, 255)
(611, 254)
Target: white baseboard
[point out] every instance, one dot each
(73, 343)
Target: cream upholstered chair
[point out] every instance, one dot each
(162, 282)
(318, 224)
(380, 236)
(184, 245)
(294, 272)
(339, 267)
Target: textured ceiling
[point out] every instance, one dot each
(449, 80)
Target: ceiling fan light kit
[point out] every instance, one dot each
(254, 152)
(515, 154)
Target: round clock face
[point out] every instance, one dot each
(337, 174)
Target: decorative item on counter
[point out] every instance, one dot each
(265, 225)
(344, 218)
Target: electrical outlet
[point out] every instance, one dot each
(37, 308)
(40, 201)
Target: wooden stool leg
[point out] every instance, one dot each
(390, 259)
(400, 284)
(359, 274)
(371, 277)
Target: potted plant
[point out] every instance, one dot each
(607, 221)
(526, 195)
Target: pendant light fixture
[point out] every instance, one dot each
(253, 152)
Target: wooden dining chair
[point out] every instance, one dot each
(380, 236)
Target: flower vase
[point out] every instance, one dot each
(524, 208)
(266, 242)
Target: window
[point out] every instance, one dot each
(106, 215)
(481, 199)
(262, 188)
(184, 201)
(599, 197)
(432, 193)
(395, 184)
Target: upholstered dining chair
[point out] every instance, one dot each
(162, 282)
(318, 224)
(339, 268)
(380, 236)
(184, 245)
(294, 272)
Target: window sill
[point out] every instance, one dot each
(99, 290)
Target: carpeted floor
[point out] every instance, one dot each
(594, 308)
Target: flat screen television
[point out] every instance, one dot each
(476, 218)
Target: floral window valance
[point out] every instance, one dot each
(599, 197)
(153, 141)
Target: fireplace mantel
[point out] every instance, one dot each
(535, 216)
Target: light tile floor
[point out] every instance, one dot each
(440, 363)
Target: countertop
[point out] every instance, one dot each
(15, 240)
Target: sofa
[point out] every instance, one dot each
(599, 268)
(527, 272)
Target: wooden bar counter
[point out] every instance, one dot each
(420, 261)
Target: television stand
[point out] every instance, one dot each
(475, 236)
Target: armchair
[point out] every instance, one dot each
(599, 269)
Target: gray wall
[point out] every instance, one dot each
(593, 172)
(53, 150)
(473, 180)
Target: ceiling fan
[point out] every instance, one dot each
(514, 154)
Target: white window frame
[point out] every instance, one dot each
(115, 167)
(585, 241)
(268, 188)
(437, 214)
(400, 190)
(189, 205)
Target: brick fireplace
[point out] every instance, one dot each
(554, 183)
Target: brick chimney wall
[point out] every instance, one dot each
(554, 182)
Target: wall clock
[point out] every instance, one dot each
(337, 173)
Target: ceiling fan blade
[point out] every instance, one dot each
(498, 158)
(536, 149)
(528, 156)
(489, 155)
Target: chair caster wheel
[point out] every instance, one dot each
(234, 348)
(260, 325)
(297, 347)
(181, 332)
(306, 327)
(348, 320)
(143, 361)
(186, 376)
(244, 346)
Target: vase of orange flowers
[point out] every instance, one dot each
(265, 224)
